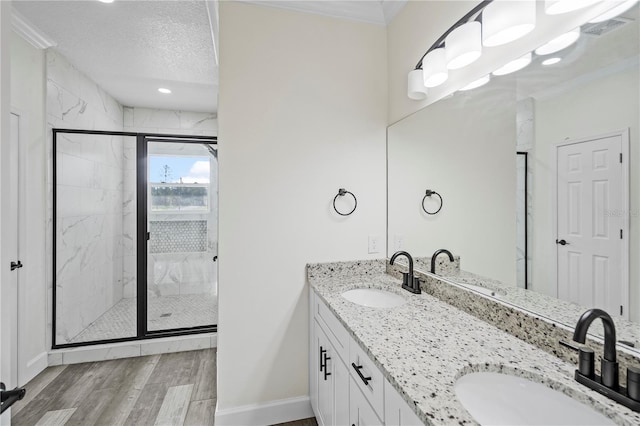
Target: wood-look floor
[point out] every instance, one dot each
(168, 389)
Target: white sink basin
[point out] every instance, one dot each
(373, 298)
(502, 399)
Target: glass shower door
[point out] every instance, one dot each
(182, 209)
(94, 287)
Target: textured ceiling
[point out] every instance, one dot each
(131, 48)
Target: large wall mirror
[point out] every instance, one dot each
(539, 176)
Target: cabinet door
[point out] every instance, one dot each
(324, 378)
(396, 410)
(340, 374)
(360, 411)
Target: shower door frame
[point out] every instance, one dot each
(142, 332)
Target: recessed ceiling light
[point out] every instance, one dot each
(105, 1)
(515, 65)
(551, 61)
(479, 82)
(163, 90)
(559, 43)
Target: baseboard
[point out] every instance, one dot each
(33, 368)
(274, 412)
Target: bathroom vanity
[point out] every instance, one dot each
(400, 365)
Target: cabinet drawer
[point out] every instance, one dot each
(367, 377)
(337, 334)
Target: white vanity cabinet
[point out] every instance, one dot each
(346, 387)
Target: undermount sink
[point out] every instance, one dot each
(374, 298)
(502, 399)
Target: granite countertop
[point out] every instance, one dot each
(559, 311)
(425, 345)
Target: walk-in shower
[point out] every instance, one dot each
(135, 252)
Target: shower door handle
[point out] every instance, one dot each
(15, 265)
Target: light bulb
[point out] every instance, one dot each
(463, 45)
(559, 43)
(434, 68)
(515, 65)
(475, 84)
(506, 21)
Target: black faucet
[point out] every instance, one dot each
(607, 384)
(409, 282)
(436, 254)
(609, 366)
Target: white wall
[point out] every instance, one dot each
(459, 147)
(601, 106)
(302, 112)
(28, 101)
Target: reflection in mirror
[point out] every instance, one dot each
(564, 223)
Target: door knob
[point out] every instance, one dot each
(562, 242)
(15, 265)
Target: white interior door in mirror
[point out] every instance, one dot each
(590, 238)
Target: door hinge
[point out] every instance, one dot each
(621, 309)
(620, 157)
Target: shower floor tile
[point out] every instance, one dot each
(165, 312)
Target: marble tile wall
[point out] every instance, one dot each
(171, 122)
(90, 198)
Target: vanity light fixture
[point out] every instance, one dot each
(434, 68)
(506, 21)
(615, 11)
(559, 43)
(164, 90)
(463, 45)
(515, 65)
(416, 89)
(475, 84)
(551, 61)
(556, 7)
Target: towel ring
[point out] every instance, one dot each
(342, 192)
(429, 193)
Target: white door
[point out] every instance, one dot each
(591, 223)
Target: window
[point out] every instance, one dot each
(179, 183)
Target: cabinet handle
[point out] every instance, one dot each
(322, 351)
(326, 370)
(358, 368)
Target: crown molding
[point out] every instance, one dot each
(29, 32)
